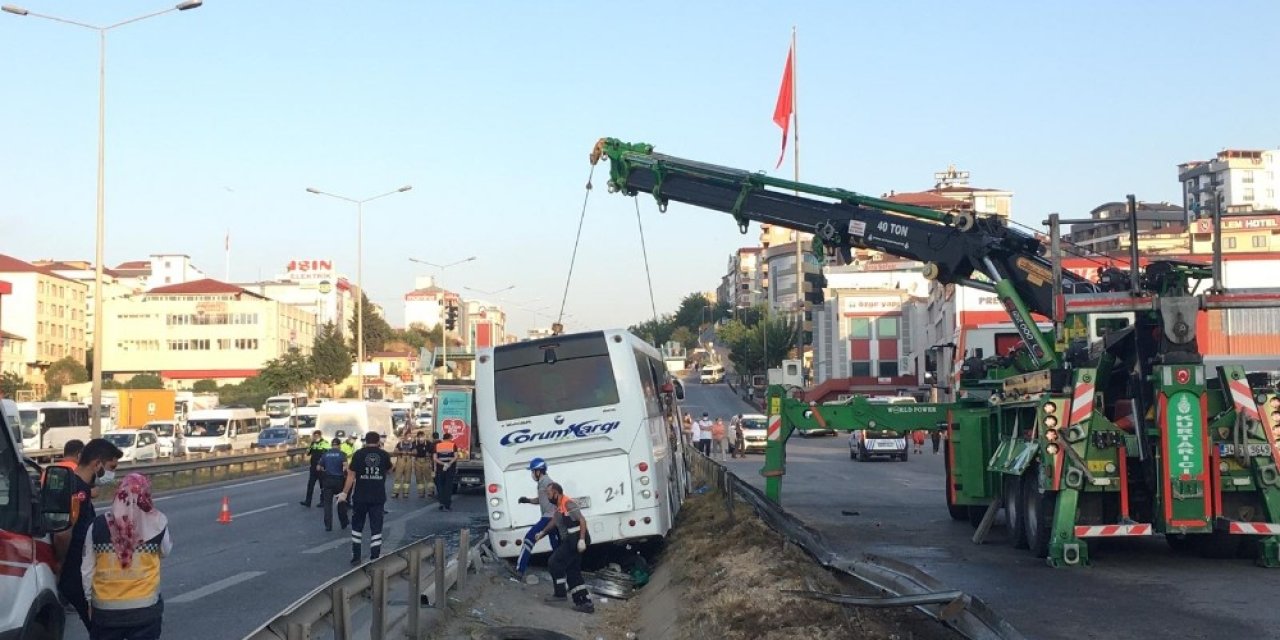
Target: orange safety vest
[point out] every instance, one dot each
(445, 449)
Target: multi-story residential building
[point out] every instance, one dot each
(951, 191)
(82, 271)
(1162, 228)
(486, 325)
(425, 304)
(12, 347)
(201, 329)
(314, 286)
(1236, 181)
(743, 283)
(47, 310)
(158, 270)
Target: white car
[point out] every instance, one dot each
(167, 435)
(138, 445)
(755, 432)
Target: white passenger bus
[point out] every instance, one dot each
(49, 425)
(282, 409)
(595, 407)
(221, 429)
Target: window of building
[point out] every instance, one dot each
(1231, 243)
(860, 328)
(886, 328)
(1259, 242)
(224, 343)
(1248, 177)
(860, 368)
(1248, 195)
(888, 368)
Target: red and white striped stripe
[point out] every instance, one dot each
(1081, 403)
(1254, 528)
(1242, 395)
(1113, 530)
(775, 427)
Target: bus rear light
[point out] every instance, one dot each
(645, 494)
(493, 502)
(494, 488)
(631, 522)
(496, 515)
(644, 480)
(503, 543)
(647, 519)
(643, 467)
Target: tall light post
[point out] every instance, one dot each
(442, 267)
(359, 268)
(95, 411)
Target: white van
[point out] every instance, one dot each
(222, 429)
(711, 374)
(9, 409)
(355, 418)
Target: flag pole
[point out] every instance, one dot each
(226, 248)
(795, 165)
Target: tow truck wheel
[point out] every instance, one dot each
(1013, 514)
(1218, 544)
(1037, 513)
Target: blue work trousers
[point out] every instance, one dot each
(526, 549)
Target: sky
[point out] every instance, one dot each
(219, 118)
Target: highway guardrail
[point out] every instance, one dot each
(195, 465)
(382, 599)
(962, 612)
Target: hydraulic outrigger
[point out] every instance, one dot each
(1127, 436)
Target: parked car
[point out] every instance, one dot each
(274, 436)
(755, 433)
(138, 445)
(168, 435)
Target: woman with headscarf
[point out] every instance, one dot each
(121, 565)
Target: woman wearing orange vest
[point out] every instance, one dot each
(446, 455)
(565, 563)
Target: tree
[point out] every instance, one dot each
(350, 392)
(693, 312)
(11, 383)
(64, 372)
(253, 392)
(207, 385)
(656, 332)
(376, 330)
(330, 358)
(417, 336)
(685, 337)
(747, 344)
(145, 381)
(290, 372)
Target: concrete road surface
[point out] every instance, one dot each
(1135, 589)
(224, 580)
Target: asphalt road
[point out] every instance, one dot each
(1136, 588)
(224, 580)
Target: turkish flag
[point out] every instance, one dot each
(786, 104)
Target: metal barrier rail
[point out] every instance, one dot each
(396, 588)
(274, 458)
(967, 614)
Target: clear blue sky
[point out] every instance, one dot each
(219, 118)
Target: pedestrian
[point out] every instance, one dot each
(316, 449)
(565, 562)
(718, 439)
(70, 459)
(445, 457)
(538, 467)
(918, 439)
(704, 434)
(97, 465)
(366, 489)
(686, 429)
(936, 436)
(333, 471)
(120, 570)
(404, 466)
(739, 438)
(423, 449)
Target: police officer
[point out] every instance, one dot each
(404, 465)
(565, 563)
(423, 450)
(538, 467)
(446, 456)
(317, 449)
(367, 478)
(333, 469)
(349, 447)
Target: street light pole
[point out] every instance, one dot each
(95, 411)
(359, 269)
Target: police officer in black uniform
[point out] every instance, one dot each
(366, 489)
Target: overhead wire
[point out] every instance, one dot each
(645, 251)
(577, 239)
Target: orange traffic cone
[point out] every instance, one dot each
(224, 517)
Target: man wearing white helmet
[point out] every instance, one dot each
(538, 467)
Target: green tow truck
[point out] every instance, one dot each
(1128, 435)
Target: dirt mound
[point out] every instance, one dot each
(730, 577)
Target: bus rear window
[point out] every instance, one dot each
(552, 376)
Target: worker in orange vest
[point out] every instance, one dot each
(565, 563)
(445, 457)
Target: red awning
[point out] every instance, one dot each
(200, 374)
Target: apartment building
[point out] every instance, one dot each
(1239, 181)
(46, 309)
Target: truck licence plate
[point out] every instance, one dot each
(1253, 449)
(583, 502)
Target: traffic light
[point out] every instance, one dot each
(451, 317)
(814, 283)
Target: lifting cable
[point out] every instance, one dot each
(581, 218)
(645, 251)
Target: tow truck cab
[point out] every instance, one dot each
(29, 515)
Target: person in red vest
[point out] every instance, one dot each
(445, 457)
(565, 563)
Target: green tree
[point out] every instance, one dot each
(330, 358)
(747, 344)
(11, 383)
(64, 372)
(350, 392)
(693, 312)
(253, 392)
(376, 330)
(685, 337)
(145, 381)
(290, 372)
(208, 386)
(656, 332)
